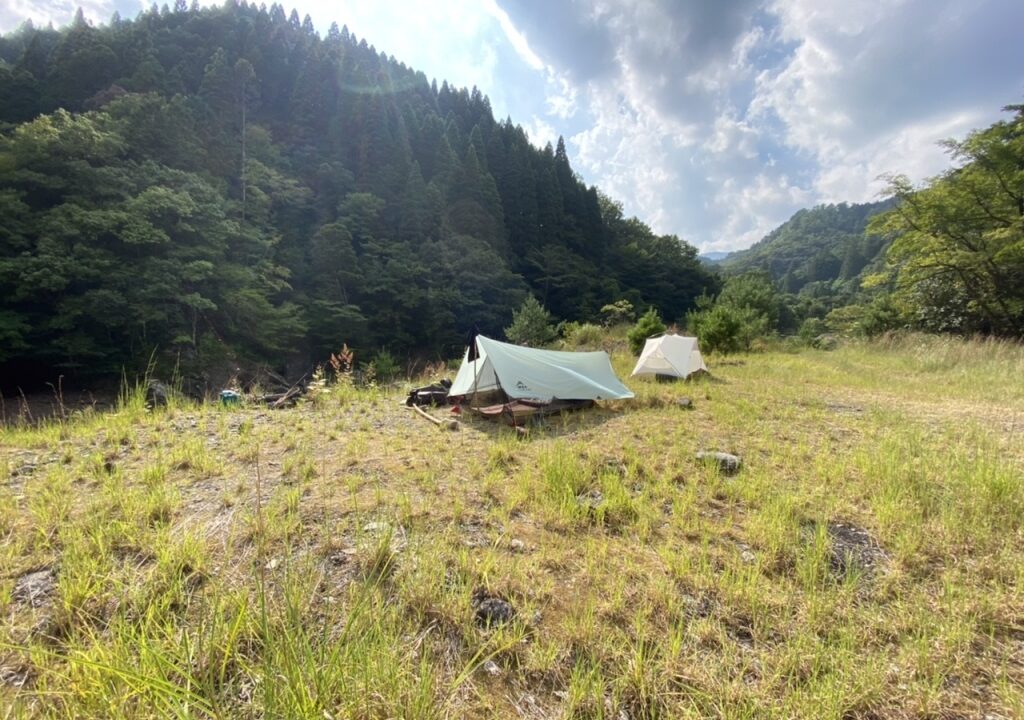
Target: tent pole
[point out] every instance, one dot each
(476, 375)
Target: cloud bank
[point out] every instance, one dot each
(718, 120)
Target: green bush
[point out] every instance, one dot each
(811, 328)
(727, 329)
(620, 311)
(879, 316)
(647, 326)
(531, 324)
(578, 335)
(384, 367)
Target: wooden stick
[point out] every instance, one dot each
(290, 395)
(450, 424)
(427, 415)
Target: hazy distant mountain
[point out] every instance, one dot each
(714, 256)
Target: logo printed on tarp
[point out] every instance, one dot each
(520, 385)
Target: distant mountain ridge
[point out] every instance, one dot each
(824, 245)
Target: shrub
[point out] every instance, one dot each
(648, 325)
(384, 367)
(879, 316)
(531, 324)
(811, 328)
(620, 311)
(582, 335)
(727, 329)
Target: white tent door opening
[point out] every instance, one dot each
(672, 355)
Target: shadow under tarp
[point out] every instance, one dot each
(516, 411)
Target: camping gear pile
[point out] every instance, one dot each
(436, 394)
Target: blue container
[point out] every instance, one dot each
(229, 397)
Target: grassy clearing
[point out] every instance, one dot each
(328, 561)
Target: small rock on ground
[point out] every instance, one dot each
(727, 464)
(491, 610)
(591, 498)
(157, 393)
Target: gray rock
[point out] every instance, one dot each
(24, 470)
(685, 403)
(491, 610)
(157, 394)
(727, 464)
(15, 677)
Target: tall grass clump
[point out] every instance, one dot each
(564, 477)
(582, 336)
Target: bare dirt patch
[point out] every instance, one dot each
(35, 588)
(854, 550)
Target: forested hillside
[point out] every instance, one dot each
(204, 186)
(946, 256)
(822, 249)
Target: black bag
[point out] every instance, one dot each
(436, 394)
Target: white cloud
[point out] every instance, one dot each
(631, 151)
(912, 150)
(540, 132)
(733, 135)
(58, 12)
(752, 208)
(561, 97)
(516, 38)
(717, 122)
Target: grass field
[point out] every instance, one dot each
(331, 561)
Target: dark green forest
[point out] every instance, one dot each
(222, 186)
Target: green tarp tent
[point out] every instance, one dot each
(523, 373)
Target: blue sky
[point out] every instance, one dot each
(712, 120)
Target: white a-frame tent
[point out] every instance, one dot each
(542, 375)
(670, 355)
